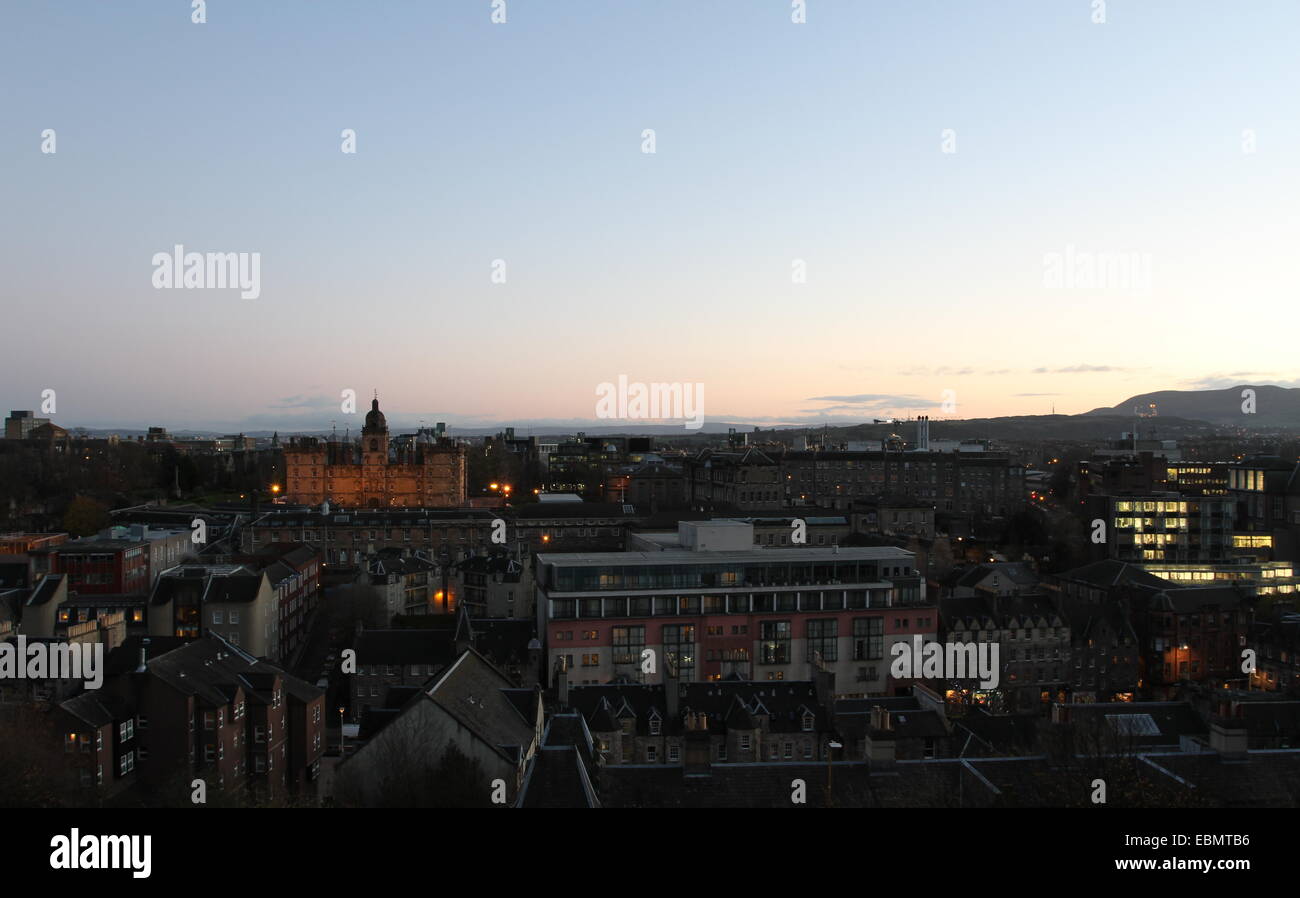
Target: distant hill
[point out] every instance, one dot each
(1274, 406)
(1020, 428)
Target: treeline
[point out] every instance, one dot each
(41, 484)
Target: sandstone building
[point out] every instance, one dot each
(426, 472)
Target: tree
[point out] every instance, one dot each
(85, 517)
(366, 604)
(32, 771)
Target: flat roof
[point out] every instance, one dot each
(705, 556)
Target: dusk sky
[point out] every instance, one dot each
(1169, 133)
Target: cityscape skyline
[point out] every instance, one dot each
(317, 416)
(657, 404)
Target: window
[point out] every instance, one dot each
(651, 753)
(679, 642)
(656, 725)
(744, 743)
(821, 639)
(775, 645)
(674, 753)
(868, 638)
(234, 617)
(809, 721)
(216, 617)
(629, 642)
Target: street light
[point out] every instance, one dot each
(830, 753)
(342, 754)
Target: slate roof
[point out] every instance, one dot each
(729, 704)
(1109, 572)
(125, 658)
(97, 708)
(978, 733)
(1264, 779)
(1152, 723)
(241, 588)
(1017, 573)
(904, 723)
(213, 671)
(1191, 599)
(45, 590)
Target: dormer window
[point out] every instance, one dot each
(808, 722)
(655, 725)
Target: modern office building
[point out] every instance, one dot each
(20, 424)
(1164, 527)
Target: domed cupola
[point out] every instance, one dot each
(375, 422)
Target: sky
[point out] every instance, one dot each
(944, 174)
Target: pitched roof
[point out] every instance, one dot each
(214, 671)
(478, 696)
(44, 591)
(1109, 572)
(97, 708)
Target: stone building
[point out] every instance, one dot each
(425, 472)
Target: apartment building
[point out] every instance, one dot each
(232, 601)
(716, 605)
(209, 710)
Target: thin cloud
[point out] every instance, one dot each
(1081, 369)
